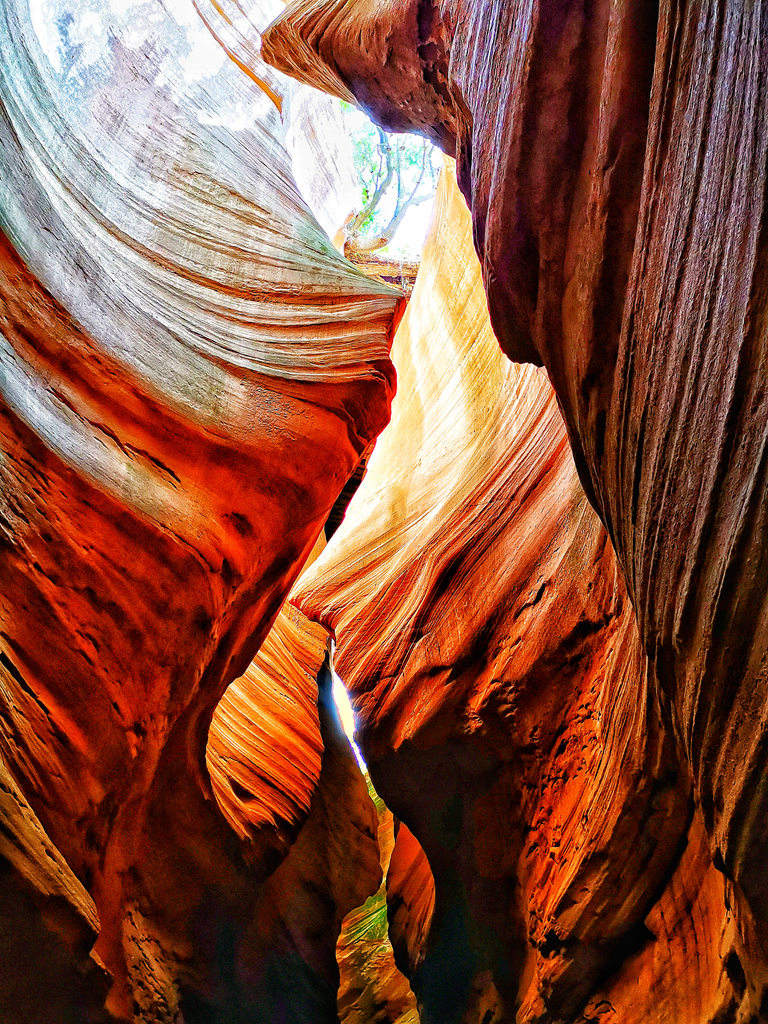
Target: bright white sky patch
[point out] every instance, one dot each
(347, 716)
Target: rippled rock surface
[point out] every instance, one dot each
(552, 864)
(548, 594)
(189, 373)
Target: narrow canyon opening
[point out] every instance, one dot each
(371, 987)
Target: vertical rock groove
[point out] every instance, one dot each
(613, 157)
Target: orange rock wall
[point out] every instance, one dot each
(614, 160)
(189, 374)
(505, 708)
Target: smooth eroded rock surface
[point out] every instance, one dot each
(505, 707)
(189, 374)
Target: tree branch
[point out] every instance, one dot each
(355, 243)
(382, 184)
(402, 207)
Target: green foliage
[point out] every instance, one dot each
(395, 172)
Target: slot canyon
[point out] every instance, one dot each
(384, 624)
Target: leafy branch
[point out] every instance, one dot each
(405, 168)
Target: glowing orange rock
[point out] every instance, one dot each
(264, 748)
(503, 698)
(189, 373)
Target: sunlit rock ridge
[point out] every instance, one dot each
(613, 157)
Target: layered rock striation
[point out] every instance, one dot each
(189, 374)
(548, 594)
(552, 852)
(614, 160)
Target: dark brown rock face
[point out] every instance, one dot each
(614, 160)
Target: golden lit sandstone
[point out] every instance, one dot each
(189, 373)
(614, 160)
(505, 708)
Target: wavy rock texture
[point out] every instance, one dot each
(189, 374)
(505, 708)
(264, 746)
(614, 159)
